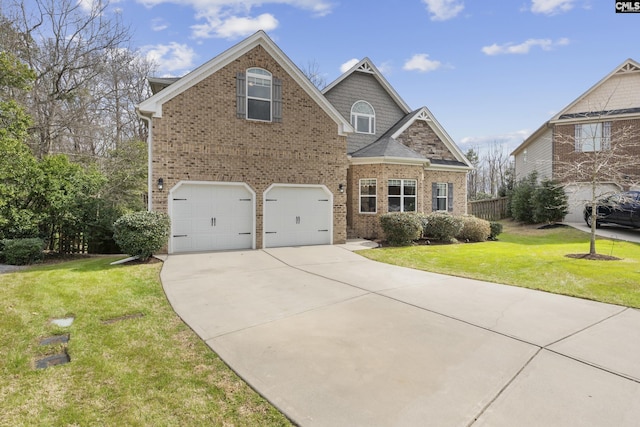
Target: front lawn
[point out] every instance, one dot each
(533, 258)
(133, 361)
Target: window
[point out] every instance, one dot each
(258, 94)
(402, 195)
(590, 137)
(441, 196)
(363, 118)
(368, 195)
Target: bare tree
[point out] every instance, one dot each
(597, 151)
(65, 44)
(312, 72)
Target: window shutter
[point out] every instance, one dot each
(241, 96)
(434, 196)
(277, 100)
(450, 197)
(606, 136)
(578, 138)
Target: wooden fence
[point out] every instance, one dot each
(490, 209)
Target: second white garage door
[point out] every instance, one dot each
(297, 216)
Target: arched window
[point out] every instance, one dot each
(363, 117)
(259, 94)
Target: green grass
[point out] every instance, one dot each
(536, 259)
(143, 371)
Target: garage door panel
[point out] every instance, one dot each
(296, 216)
(212, 216)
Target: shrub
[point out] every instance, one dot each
(496, 229)
(521, 201)
(549, 202)
(474, 229)
(22, 251)
(442, 226)
(142, 233)
(401, 228)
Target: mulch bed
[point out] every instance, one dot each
(595, 257)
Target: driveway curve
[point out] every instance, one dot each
(334, 339)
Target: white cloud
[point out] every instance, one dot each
(525, 47)
(507, 142)
(159, 24)
(170, 57)
(421, 62)
(551, 7)
(235, 27)
(348, 65)
(441, 10)
(233, 18)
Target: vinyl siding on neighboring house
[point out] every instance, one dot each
(362, 86)
(618, 92)
(537, 156)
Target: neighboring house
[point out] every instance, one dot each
(588, 124)
(245, 152)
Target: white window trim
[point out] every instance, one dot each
(402, 196)
(371, 117)
(445, 197)
(267, 76)
(360, 195)
(594, 143)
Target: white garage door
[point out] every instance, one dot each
(298, 216)
(208, 216)
(579, 194)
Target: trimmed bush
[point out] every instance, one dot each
(496, 229)
(442, 226)
(474, 229)
(142, 233)
(401, 228)
(22, 251)
(521, 201)
(549, 202)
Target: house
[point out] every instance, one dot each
(587, 126)
(245, 152)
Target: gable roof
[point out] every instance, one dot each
(388, 147)
(153, 105)
(628, 66)
(367, 67)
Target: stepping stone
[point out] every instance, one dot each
(64, 322)
(56, 339)
(125, 317)
(56, 359)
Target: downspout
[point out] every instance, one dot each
(149, 159)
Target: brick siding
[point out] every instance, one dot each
(199, 138)
(367, 225)
(564, 148)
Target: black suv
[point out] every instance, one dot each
(620, 208)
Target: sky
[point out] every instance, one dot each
(491, 71)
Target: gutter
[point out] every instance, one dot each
(149, 158)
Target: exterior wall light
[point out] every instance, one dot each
(341, 188)
(160, 184)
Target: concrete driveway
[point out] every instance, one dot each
(333, 339)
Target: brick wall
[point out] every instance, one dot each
(367, 225)
(564, 151)
(199, 138)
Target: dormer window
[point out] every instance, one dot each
(259, 94)
(363, 117)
